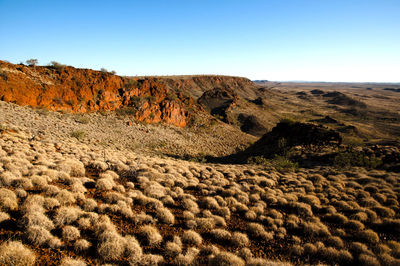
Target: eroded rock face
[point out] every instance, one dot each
(195, 86)
(67, 88)
(218, 100)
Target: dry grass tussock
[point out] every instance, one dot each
(15, 253)
(69, 200)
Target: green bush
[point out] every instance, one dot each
(280, 163)
(126, 111)
(82, 120)
(349, 158)
(32, 62)
(78, 134)
(56, 65)
(259, 160)
(284, 164)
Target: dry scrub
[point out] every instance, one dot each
(70, 203)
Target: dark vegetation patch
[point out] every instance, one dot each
(326, 120)
(392, 89)
(251, 125)
(291, 144)
(288, 134)
(317, 92)
(343, 100)
(260, 101)
(217, 101)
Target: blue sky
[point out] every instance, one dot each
(343, 40)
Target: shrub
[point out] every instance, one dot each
(70, 233)
(82, 120)
(284, 164)
(336, 218)
(150, 235)
(221, 235)
(192, 238)
(188, 258)
(296, 250)
(4, 216)
(310, 249)
(335, 241)
(36, 218)
(355, 225)
(172, 249)
(187, 215)
(38, 235)
(219, 221)
(82, 245)
(329, 253)
(368, 236)
(8, 200)
(301, 209)
(105, 183)
(226, 259)
(78, 134)
(72, 262)
(111, 246)
(133, 250)
(84, 223)
(210, 203)
(250, 215)
(65, 197)
(32, 62)
(50, 203)
(66, 215)
(14, 253)
(151, 260)
(349, 158)
(239, 239)
(89, 205)
(368, 260)
(315, 229)
(39, 181)
(56, 65)
(357, 248)
(165, 216)
(245, 254)
(360, 216)
(257, 230)
(205, 223)
(54, 243)
(190, 205)
(384, 211)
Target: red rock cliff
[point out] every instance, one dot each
(84, 90)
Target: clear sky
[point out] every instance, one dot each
(314, 40)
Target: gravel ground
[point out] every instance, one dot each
(123, 132)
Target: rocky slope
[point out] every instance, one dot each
(64, 202)
(195, 86)
(150, 99)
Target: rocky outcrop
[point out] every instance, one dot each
(195, 86)
(65, 88)
(251, 124)
(218, 100)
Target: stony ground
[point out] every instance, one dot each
(75, 201)
(108, 129)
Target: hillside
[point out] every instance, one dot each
(366, 112)
(71, 200)
(65, 88)
(96, 168)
